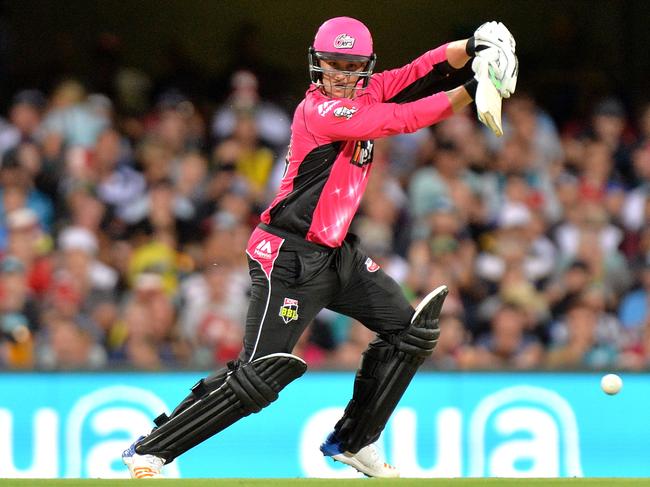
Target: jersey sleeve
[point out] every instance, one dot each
(389, 84)
(354, 120)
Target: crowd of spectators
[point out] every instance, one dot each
(122, 236)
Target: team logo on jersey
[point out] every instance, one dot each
(263, 249)
(371, 265)
(289, 310)
(325, 107)
(344, 41)
(363, 151)
(345, 112)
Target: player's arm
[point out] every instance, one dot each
(434, 71)
(350, 120)
(462, 96)
(457, 57)
(422, 77)
(457, 53)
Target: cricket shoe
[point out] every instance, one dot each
(367, 460)
(430, 307)
(142, 466)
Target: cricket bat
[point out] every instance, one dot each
(488, 102)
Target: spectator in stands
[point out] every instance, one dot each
(152, 340)
(521, 222)
(590, 237)
(448, 243)
(273, 124)
(176, 124)
(190, 177)
(636, 351)
(155, 159)
(27, 242)
(252, 161)
(567, 286)
(448, 178)
(516, 243)
(16, 297)
(79, 248)
(634, 310)
(598, 178)
(454, 350)
(74, 118)
(507, 345)
(608, 125)
(169, 214)
(25, 116)
(376, 227)
(471, 142)
(155, 253)
(584, 338)
(214, 314)
(69, 347)
(17, 189)
(515, 163)
(86, 210)
(80, 281)
(18, 314)
(635, 212)
(118, 185)
(527, 122)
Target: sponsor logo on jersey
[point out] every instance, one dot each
(263, 249)
(289, 310)
(344, 41)
(363, 152)
(371, 265)
(325, 107)
(345, 112)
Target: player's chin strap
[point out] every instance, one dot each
(387, 367)
(219, 401)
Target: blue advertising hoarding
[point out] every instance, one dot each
(447, 425)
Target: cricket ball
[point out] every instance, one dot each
(611, 384)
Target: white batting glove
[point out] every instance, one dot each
(492, 34)
(493, 42)
(503, 68)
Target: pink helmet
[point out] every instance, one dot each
(342, 38)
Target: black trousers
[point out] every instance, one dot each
(304, 278)
(292, 281)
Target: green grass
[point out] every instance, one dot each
(330, 482)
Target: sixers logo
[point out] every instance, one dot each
(344, 41)
(371, 265)
(345, 112)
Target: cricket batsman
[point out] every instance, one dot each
(302, 259)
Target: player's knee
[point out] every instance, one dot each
(252, 390)
(257, 384)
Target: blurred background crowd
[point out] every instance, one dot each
(126, 203)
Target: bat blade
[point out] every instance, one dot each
(488, 103)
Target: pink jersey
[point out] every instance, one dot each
(330, 154)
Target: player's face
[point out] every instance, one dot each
(338, 83)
